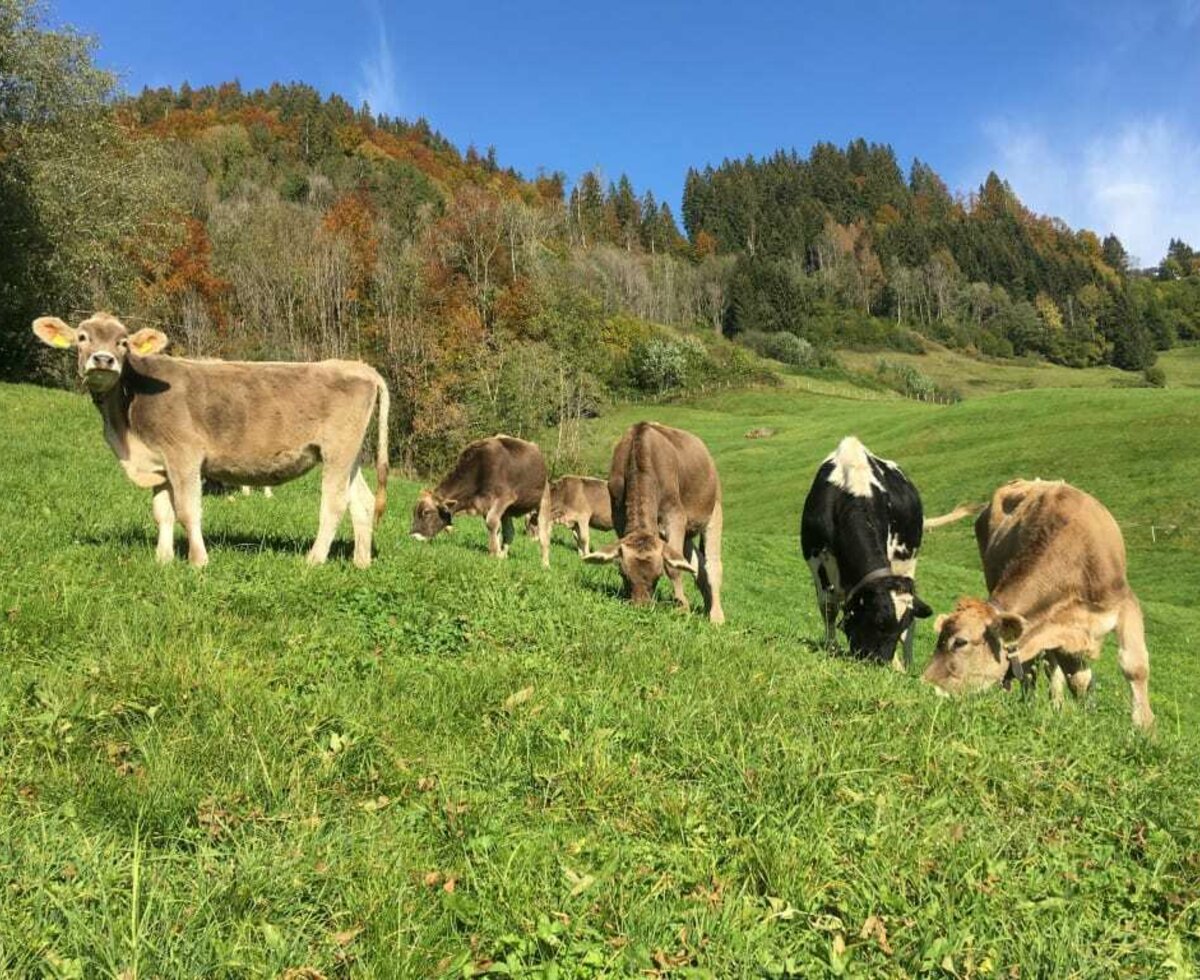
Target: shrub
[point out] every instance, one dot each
(657, 365)
(912, 383)
(1155, 376)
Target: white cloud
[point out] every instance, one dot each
(1140, 179)
(379, 87)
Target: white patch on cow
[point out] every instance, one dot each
(419, 537)
(852, 468)
(902, 602)
(824, 560)
(902, 562)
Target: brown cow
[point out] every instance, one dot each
(666, 508)
(580, 503)
(500, 478)
(1054, 562)
(173, 422)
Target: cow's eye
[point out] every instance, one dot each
(82, 338)
(959, 643)
(123, 342)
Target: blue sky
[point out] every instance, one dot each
(1090, 109)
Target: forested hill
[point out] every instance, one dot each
(843, 229)
(284, 223)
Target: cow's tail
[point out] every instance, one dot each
(381, 451)
(959, 512)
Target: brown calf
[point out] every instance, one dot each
(173, 422)
(1054, 563)
(666, 508)
(499, 478)
(580, 503)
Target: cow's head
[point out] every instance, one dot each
(970, 652)
(431, 515)
(878, 614)
(103, 345)
(642, 558)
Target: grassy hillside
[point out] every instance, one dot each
(448, 764)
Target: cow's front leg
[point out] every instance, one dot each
(493, 519)
(164, 517)
(507, 533)
(186, 495)
(583, 542)
(683, 545)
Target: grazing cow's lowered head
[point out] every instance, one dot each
(431, 516)
(103, 345)
(972, 647)
(877, 613)
(642, 558)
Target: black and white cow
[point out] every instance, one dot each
(860, 532)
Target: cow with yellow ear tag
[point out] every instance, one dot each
(174, 423)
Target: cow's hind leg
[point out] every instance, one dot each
(712, 570)
(1134, 660)
(164, 517)
(335, 494)
(362, 515)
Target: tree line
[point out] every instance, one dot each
(279, 223)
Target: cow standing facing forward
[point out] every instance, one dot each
(499, 478)
(173, 422)
(1054, 563)
(666, 508)
(860, 533)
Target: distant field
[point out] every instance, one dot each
(972, 376)
(448, 765)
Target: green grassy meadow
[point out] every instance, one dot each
(448, 765)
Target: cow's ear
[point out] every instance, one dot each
(604, 555)
(939, 623)
(676, 560)
(1010, 627)
(447, 504)
(53, 332)
(148, 341)
(921, 610)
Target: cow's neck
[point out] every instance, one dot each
(113, 406)
(1012, 595)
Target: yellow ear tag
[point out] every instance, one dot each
(60, 341)
(144, 347)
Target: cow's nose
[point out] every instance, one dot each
(105, 362)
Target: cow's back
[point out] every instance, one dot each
(595, 496)
(1053, 538)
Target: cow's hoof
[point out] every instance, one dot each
(716, 617)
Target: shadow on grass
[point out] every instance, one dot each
(138, 538)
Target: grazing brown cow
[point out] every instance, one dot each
(173, 422)
(1054, 562)
(666, 508)
(580, 503)
(499, 478)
